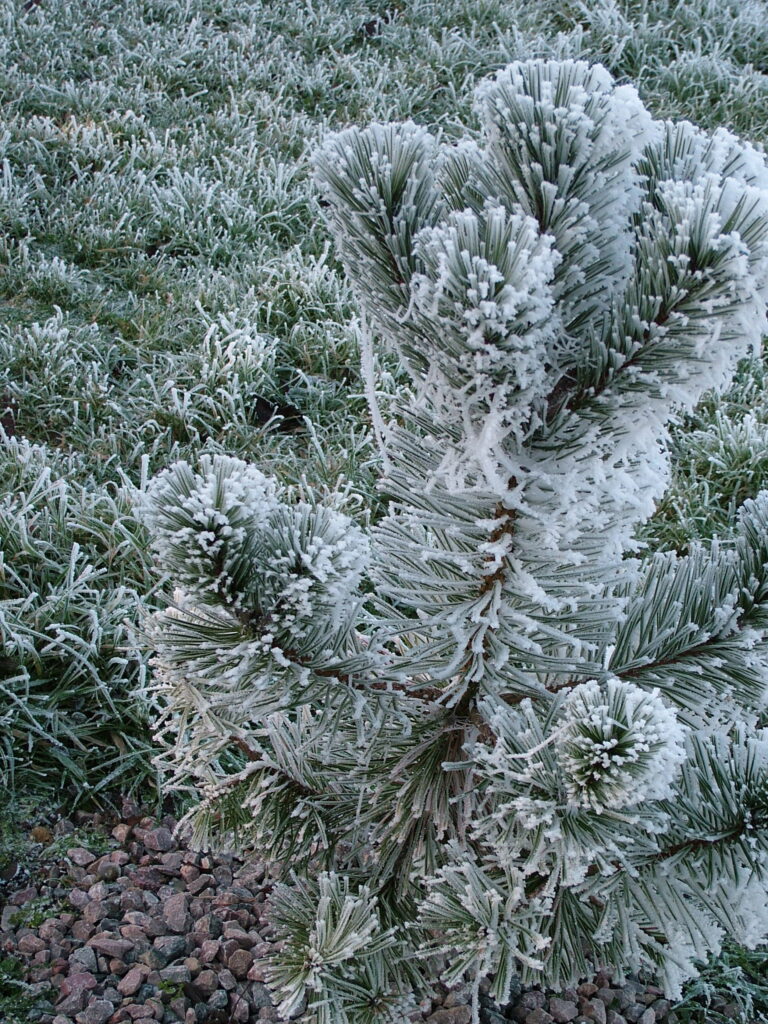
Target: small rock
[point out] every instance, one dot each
(594, 1009)
(240, 962)
(532, 1000)
(73, 993)
(30, 944)
(615, 1018)
(562, 1010)
(93, 913)
(78, 898)
(82, 931)
(171, 862)
(107, 871)
(178, 1006)
(207, 982)
(83, 959)
(209, 950)
(649, 1017)
(159, 839)
(171, 947)
(587, 989)
(240, 1010)
(131, 982)
(22, 896)
(257, 972)
(227, 979)
(198, 884)
(218, 1000)
(136, 1011)
(80, 856)
(177, 973)
(96, 1012)
(260, 996)
(176, 913)
(451, 1015)
(539, 1016)
(105, 942)
(634, 1012)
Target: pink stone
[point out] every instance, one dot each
(74, 992)
(240, 963)
(78, 855)
(23, 896)
(122, 832)
(562, 1010)
(30, 944)
(207, 982)
(82, 930)
(78, 898)
(105, 942)
(132, 981)
(209, 950)
(159, 839)
(80, 981)
(176, 913)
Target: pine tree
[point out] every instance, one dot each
(490, 736)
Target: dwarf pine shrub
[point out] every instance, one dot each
(491, 735)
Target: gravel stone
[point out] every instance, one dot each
(227, 980)
(207, 981)
(539, 1016)
(130, 983)
(171, 947)
(105, 942)
(451, 1015)
(260, 996)
(80, 856)
(83, 959)
(562, 1010)
(74, 992)
(96, 1012)
(176, 913)
(594, 1009)
(159, 839)
(240, 963)
(178, 974)
(218, 1000)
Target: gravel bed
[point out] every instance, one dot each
(152, 931)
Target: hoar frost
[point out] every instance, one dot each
(482, 732)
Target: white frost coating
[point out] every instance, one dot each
(556, 291)
(312, 561)
(618, 745)
(485, 286)
(200, 521)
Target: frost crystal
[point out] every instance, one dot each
(618, 745)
